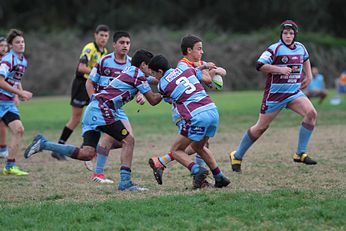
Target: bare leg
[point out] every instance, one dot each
(3, 131)
(17, 130)
(128, 144)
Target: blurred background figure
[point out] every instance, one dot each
(340, 84)
(316, 88)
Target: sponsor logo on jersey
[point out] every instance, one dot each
(284, 59)
(173, 75)
(107, 71)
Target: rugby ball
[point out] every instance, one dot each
(217, 82)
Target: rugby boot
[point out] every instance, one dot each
(236, 164)
(157, 167)
(221, 182)
(14, 171)
(199, 178)
(130, 186)
(101, 178)
(303, 158)
(35, 146)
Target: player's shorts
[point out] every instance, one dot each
(9, 112)
(94, 117)
(79, 94)
(204, 124)
(270, 107)
(116, 130)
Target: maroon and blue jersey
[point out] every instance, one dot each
(280, 87)
(12, 68)
(187, 93)
(106, 106)
(106, 70)
(123, 88)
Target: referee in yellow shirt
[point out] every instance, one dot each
(79, 96)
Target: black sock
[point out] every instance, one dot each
(66, 133)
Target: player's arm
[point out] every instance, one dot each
(85, 58)
(140, 99)
(89, 85)
(203, 75)
(268, 68)
(153, 98)
(308, 74)
(26, 95)
(83, 67)
(152, 80)
(218, 71)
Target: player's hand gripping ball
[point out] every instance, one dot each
(217, 82)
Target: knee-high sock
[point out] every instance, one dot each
(305, 132)
(165, 159)
(65, 134)
(244, 145)
(101, 158)
(63, 149)
(125, 173)
(217, 173)
(200, 161)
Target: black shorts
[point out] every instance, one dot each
(116, 130)
(79, 94)
(9, 117)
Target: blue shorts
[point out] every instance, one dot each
(8, 106)
(341, 88)
(275, 106)
(94, 117)
(204, 124)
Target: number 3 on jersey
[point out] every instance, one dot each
(186, 83)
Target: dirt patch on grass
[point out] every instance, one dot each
(267, 166)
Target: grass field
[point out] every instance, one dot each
(272, 192)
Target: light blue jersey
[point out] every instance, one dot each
(12, 68)
(104, 106)
(197, 112)
(106, 70)
(283, 88)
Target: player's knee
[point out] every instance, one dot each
(262, 129)
(86, 153)
(197, 147)
(89, 155)
(129, 140)
(18, 131)
(311, 115)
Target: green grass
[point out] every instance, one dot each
(273, 193)
(282, 209)
(238, 110)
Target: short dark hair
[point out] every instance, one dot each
(2, 39)
(159, 62)
(188, 42)
(141, 56)
(12, 34)
(117, 35)
(101, 27)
